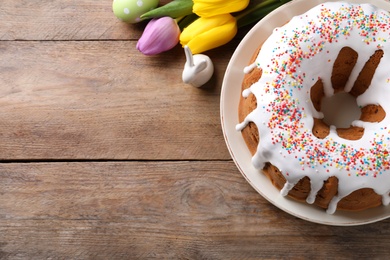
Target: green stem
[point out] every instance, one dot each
(183, 23)
(174, 9)
(258, 12)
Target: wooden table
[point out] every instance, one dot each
(106, 154)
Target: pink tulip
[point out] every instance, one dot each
(160, 35)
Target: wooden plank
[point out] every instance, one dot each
(66, 20)
(191, 210)
(104, 100)
(173, 209)
(63, 20)
(73, 87)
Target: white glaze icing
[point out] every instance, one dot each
(292, 59)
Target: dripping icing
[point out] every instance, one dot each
(286, 74)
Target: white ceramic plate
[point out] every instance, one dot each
(231, 91)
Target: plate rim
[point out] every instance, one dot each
(340, 218)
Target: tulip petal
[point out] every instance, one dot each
(159, 35)
(204, 24)
(207, 8)
(210, 37)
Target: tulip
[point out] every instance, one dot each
(207, 8)
(160, 35)
(207, 33)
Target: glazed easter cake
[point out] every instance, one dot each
(333, 48)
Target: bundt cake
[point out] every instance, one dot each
(336, 47)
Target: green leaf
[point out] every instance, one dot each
(174, 9)
(258, 12)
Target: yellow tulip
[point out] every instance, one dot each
(206, 8)
(207, 33)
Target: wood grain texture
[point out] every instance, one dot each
(151, 209)
(103, 99)
(64, 20)
(106, 154)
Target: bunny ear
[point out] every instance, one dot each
(200, 66)
(189, 56)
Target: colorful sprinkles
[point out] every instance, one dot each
(286, 111)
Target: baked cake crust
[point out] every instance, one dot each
(357, 200)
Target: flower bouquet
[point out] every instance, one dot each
(199, 26)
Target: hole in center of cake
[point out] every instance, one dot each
(340, 110)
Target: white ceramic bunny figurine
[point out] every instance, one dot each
(198, 68)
